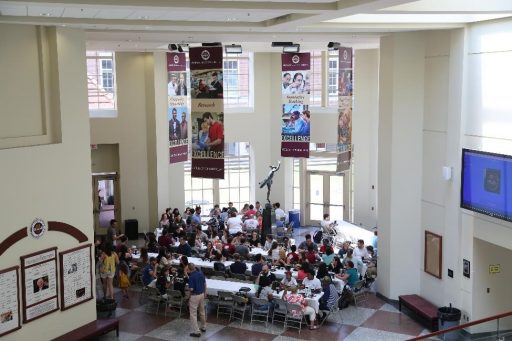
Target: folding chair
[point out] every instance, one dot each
(174, 300)
(260, 308)
(359, 293)
(279, 309)
(207, 272)
(239, 308)
(155, 298)
(294, 315)
(225, 303)
(334, 309)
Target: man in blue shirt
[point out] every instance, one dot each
(149, 273)
(196, 217)
(184, 248)
(197, 286)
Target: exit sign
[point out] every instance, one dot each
(494, 269)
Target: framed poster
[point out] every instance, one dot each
(466, 268)
(9, 301)
(39, 284)
(75, 276)
(433, 254)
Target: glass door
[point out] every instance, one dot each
(325, 195)
(106, 201)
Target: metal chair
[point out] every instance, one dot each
(334, 309)
(279, 309)
(208, 272)
(294, 315)
(241, 277)
(225, 303)
(219, 274)
(174, 300)
(239, 308)
(359, 293)
(260, 308)
(280, 233)
(154, 297)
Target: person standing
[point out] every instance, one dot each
(197, 286)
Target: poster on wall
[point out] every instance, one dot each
(178, 114)
(75, 276)
(9, 301)
(295, 114)
(345, 88)
(207, 102)
(39, 284)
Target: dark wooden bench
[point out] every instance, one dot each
(91, 330)
(421, 307)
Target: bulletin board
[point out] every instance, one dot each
(75, 276)
(9, 300)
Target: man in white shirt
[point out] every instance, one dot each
(234, 224)
(251, 224)
(288, 280)
(280, 215)
(360, 251)
(312, 282)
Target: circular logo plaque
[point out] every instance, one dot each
(37, 228)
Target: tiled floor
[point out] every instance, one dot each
(372, 320)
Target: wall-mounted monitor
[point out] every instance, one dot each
(486, 183)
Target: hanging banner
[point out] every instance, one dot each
(295, 115)
(207, 103)
(344, 147)
(177, 109)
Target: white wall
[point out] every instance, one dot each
(53, 181)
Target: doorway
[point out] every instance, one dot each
(105, 189)
(325, 194)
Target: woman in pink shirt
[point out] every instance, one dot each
(295, 298)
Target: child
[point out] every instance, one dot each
(124, 281)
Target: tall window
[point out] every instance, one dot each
(237, 82)
(101, 85)
(324, 81)
(235, 186)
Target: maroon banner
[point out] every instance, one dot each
(295, 114)
(178, 113)
(207, 100)
(345, 89)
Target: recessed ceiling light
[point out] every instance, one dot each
(144, 17)
(45, 14)
(231, 19)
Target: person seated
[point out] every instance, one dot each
(328, 226)
(244, 209)
(312, 282)
(325, 244)
(303, 271)
(219, 263)
(350, 276)
(264, 282)
(184, 248)
(360, 251)
(152, 244)
(242, 249)
(280, 215)
(322, 271)
(311, 255)
(295, 298)
(238, 267)
(283, 260)
(335, 265)
(274, 252)
(329, 255)
(149, 272)
(163, 281)
(330, 296)
(251, 212)
(358, 263)
(162, 259)
(180, 279)
(209, 252)
(288, 280)
(344, 249)
(255, 240)
(251, 223)
(268, 242)
(234, 224)
(286, 245)
(165, 240)
(258, 265)
(229, 248)
(293, 256)
(303, 247)
(201, 237)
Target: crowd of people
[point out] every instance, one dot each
(230, 234)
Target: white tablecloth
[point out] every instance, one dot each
(213, 286)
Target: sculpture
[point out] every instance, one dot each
(268, 180)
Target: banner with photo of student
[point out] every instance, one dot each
(345, 88)
(177, 109)
(295, 115)
(207, 106)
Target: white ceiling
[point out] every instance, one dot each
(150, 25)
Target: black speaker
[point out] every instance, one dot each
(131, 229)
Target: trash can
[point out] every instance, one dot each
(448, 317)
(131, 229)
(294, 216)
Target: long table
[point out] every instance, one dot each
(213, 286)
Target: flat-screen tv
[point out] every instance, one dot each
(486, 183)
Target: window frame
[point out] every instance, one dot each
(249, 56)
(99, 57)
(328, 104)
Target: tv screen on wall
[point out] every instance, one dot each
(486, 184)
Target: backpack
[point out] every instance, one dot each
(317, 236)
